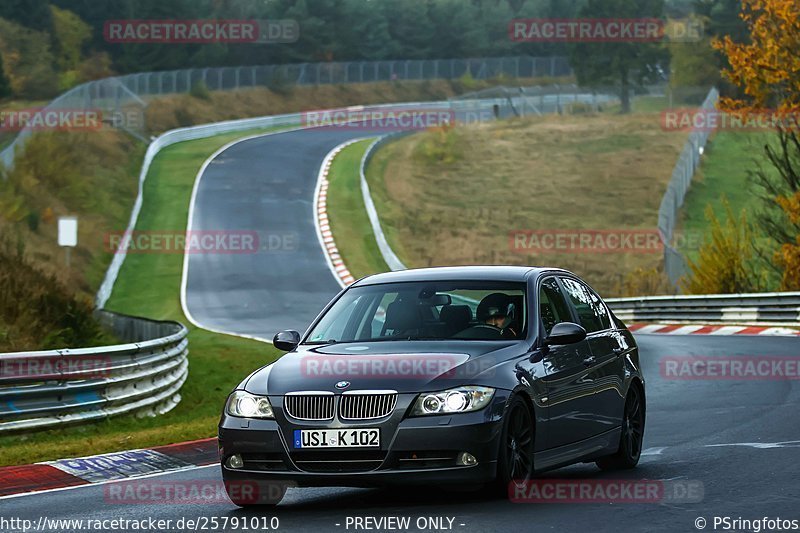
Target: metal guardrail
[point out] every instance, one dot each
(764, 309)
(44, 389)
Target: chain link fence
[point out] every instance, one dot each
(539, 100)
(675, 265)
(121, 100)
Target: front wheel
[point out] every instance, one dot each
(630, 441)
(515, 460)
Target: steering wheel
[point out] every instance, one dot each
(496, 333)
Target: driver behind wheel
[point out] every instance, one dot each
(498, 310)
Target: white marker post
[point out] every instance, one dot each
(68, 234)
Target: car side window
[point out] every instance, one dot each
(592, 312)
(553, 307)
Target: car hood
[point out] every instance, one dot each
(402, 366)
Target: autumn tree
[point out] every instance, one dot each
(725, 260)
(766, 70)
(70, 34)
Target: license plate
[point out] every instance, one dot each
(337, 438)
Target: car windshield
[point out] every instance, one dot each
(425, 311)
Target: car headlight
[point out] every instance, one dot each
(458, 400)
(247, 405)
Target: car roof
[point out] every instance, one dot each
(458, 273)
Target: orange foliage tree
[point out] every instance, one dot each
(766, 71)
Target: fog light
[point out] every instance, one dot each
(235, 461)
(466, 459)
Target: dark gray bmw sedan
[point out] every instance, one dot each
(469, 376)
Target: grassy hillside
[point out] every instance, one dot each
(454, 197)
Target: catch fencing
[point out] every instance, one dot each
(122, 99)
(675, 265)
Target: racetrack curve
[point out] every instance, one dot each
(264, 185)
(754, 475)
(739, 439)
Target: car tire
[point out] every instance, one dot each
(515, 457)
(632, 435)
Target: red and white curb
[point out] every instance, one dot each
(323, 223)
(719, 329)
(64, 473)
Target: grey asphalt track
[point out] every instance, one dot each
(264, 185)
(753, 478)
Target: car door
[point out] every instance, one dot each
(568, 382)
(605, 364)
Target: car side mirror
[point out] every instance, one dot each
(286, 340)
(565, 333)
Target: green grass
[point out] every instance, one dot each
(375, 174)
(348, 216)
(725, 171)
(149, 285)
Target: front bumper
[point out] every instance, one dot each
(418, 450)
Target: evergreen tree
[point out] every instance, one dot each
(5, 86)
(624, 65)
